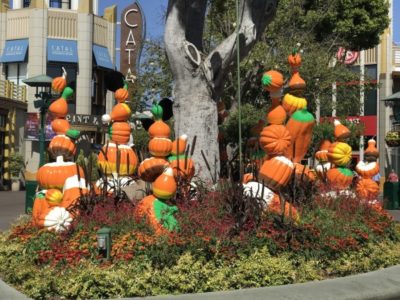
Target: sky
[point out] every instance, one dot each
(396, 21)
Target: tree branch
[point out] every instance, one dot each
(254, 17)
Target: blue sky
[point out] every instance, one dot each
(396, 21)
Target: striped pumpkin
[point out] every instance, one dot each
(151, 168)
(121, 160)
(341, 132)
(164, 187)
(120, 132)
(292, 103)
(367, 189)
(340, 178)
(160, 147)
(339, 154)
(62, 145)
(276, 172)
(275, 139)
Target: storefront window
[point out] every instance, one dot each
(55, 70)
(55, 3)
(16, 72)
(26, 3)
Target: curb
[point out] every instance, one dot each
(9, 293)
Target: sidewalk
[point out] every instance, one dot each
(12, 205)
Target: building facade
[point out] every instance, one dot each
(42, 36)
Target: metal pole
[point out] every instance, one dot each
(42, 135)
(238, 89)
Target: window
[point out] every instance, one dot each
(370, 95)
(26, 3)
(55, 3)
(16, 72)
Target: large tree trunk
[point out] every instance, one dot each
(199, 80)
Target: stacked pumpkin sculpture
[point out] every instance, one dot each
(167, 164)
(367, 188)
(117, 160)
(61, 182)
(285, 142)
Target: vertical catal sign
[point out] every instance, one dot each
(132, 33)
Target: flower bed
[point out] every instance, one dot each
(211, 252)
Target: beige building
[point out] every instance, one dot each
(39, 37)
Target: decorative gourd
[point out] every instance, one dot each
(339, 154)
(151, 168)
(341, 132)
(371, 153)
(120, 112)
(59, 108)
(53, 175)
(159, 129)
(164, 187)
(57, 219)
(339, 178)
(276, 207)
(59, 83)
(121, 160)
(367, 169)
(303, 173)
(122, 94)
(60, 126)
(257, 190)
(182, 166)
(62, 145)
(296, 84)
(322, 154)
(159, 215)
(300, 127)
(120, 132)
(294, 59)
(276, 115)
(179, 145)
(54, 197)
(275, 139)
(322, 168)
(272, 81)
(367, 189)
(292, 103)
(160, 147)
(276, 172)
(74, 188)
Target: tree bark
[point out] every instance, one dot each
(199, 80)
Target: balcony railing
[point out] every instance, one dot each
(12, 91)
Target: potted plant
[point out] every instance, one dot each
(392, 138)
(16, 164)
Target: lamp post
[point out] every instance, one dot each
(43, 96)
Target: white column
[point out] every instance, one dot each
(74, 4)
(17, 4)
(84, 78)
(96, 7)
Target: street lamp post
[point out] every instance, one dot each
(43, 97)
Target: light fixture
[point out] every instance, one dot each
(104, 242)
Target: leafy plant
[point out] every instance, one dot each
(16, 164)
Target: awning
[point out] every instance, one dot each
(62, 50)
(102, 57)
(14, 51)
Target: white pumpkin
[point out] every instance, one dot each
(257, 190)
(322, 168)
(58, 219)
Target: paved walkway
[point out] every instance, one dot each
(12, 205)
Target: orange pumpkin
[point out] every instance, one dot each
(160, 147)
(275, 139)
(341, 132)
(53, 175)
(121, 95)
(182, 166)
(339, 178)
(164, 187)
(276, 207)
(120, 132)
(120, 112)
(296, 84)
(151, 168)
(40, 209)
(276, 172)
(59, 108)
(367, 189)
(159, 129)
(277, 115)
(300, 128)
(322, 154)
(60, 126)
(371, 153)
(303, 173)
(367, 169)
(62, 145)
(59, 83)
(117, 159)
(272, 81)
(179, 145)
(294, 59)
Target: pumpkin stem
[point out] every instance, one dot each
(294, 51)
(64, 75)
(67, 93)
(125, 85)
(73, 133)
(266, 80)
(157, 111)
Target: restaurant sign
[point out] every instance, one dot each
(132, 35)
(89, 120)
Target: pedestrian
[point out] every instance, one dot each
(392, 177)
